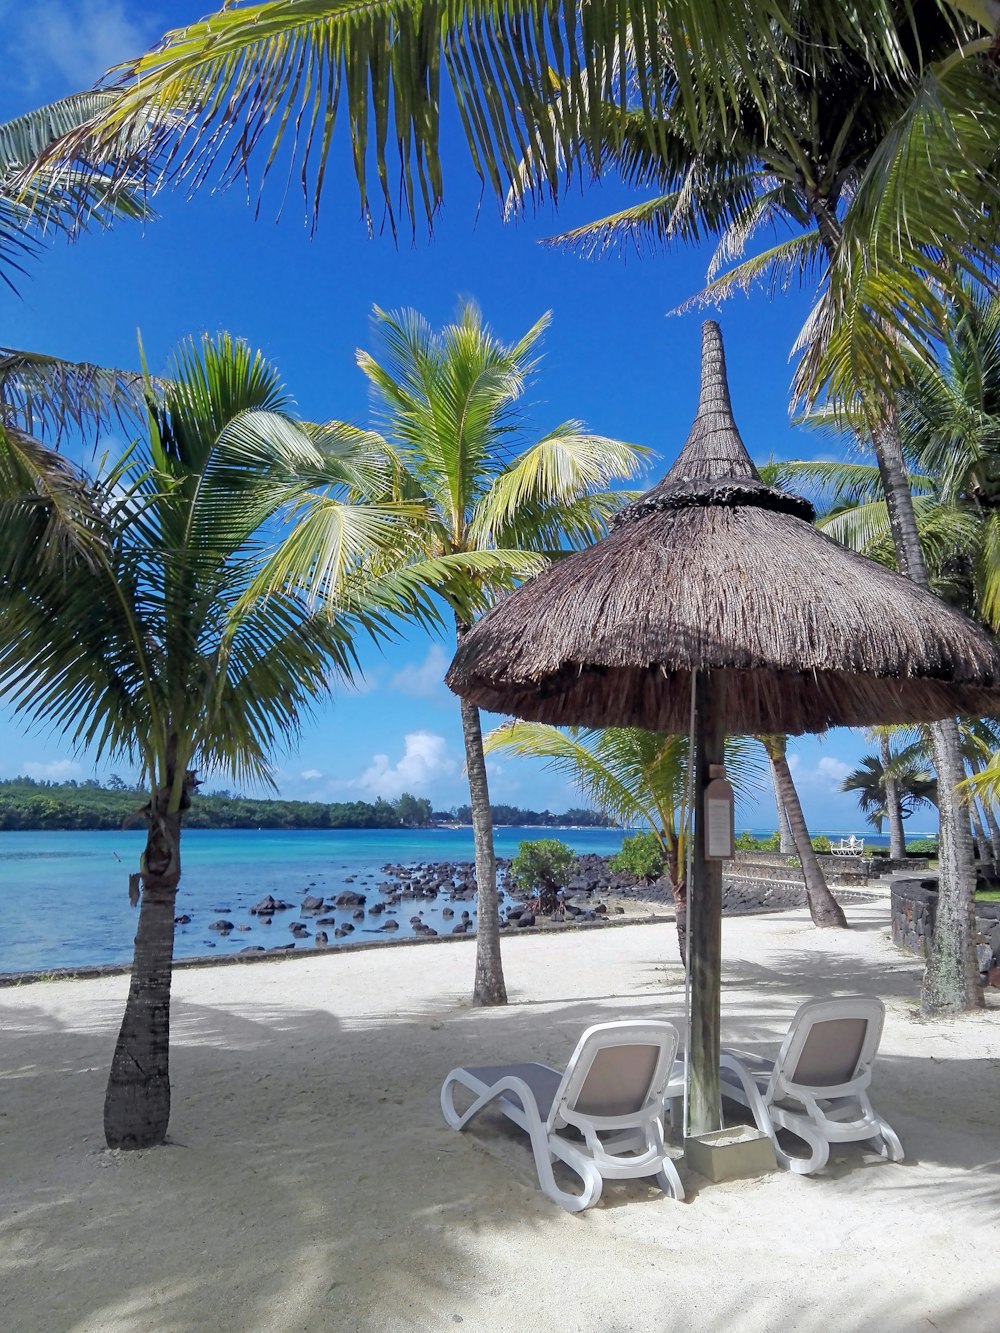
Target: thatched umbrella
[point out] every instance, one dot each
(716, 590)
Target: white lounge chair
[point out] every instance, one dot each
(817, 1088)
(615, 1084)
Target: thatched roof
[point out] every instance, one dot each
(714, 571)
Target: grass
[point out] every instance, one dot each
(988, 896)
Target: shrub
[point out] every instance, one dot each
(641, 856)
(922, 847)
(821, 844)
(542, 867)
(771, 844)
(746, 842)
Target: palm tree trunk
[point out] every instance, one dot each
(951, 982)
(994, 828)
(677, 875)
(979, 834)
(137, 1101)
(787, 842)
(893, 804)
(990, 818)
(823, 906)
(489, 987)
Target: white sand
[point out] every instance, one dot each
(311, 1183)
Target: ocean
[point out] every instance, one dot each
(64, 896)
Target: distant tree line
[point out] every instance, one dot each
(28, 804)
(513, 814)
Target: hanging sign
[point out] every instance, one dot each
(720, 835)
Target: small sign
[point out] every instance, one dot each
(720, 832)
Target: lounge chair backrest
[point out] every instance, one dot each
(829, 1048)
(617, 1075)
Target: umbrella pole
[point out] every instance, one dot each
(704, 940)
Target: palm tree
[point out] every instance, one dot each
(823, 906)
(41, 394)
(532, 81)
(636, 777)
(494, 506)
(811, 166)
(891, 787)
(133, 618)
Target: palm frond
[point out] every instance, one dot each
(267, 82)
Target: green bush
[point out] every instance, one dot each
(542, 867)
(746, 842)
(922, 847)
(771, 844)
(641, 856)
(821, 844)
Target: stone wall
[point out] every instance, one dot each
(914, 903)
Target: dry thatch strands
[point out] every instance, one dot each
(712, 570)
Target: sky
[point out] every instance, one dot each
(614, 357)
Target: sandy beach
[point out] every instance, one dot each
(311, 1183)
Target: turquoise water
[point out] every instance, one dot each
(64, 896)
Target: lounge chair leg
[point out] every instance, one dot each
(669, 1181)
(887, 1143)
(804, 1166)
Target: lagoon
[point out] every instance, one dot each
(64, 895)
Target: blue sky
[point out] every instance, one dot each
(613, 357)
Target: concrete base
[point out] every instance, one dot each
(728, 1154)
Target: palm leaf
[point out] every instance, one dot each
(267, 81)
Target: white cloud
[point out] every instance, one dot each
(425, 760)
(834, 770)
(57, 770)
(308, 774)
(827, 775)
(73, 42)
(423, 680)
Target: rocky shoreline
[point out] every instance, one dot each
(424, 901)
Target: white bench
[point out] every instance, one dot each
(851, 846)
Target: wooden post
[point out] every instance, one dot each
(705, 918)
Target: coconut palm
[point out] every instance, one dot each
(636, 777)
(495, 504)
(823, 906)
(41, 394)
(132, 621)
(267, 80)
(891, 785)
(811, 166)
(912, 87)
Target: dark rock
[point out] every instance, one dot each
(359, 914)
(322, 939)
(268, 906)
(312, 904)
(526, 919)
(326, 921)
(253, 948)
(184, 920)
(224, 926)
(349, 899)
